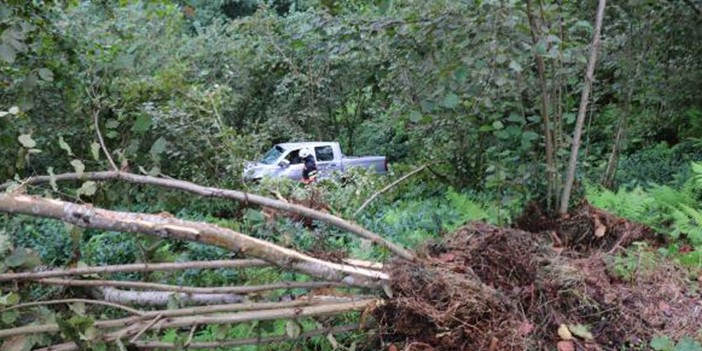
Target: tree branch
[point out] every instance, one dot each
(57, 302)
(96, 119)
(249, 341)
(182, 312)
(188, 289)
(137, 267)
(227, 194)
(161, 298)
(392, 185)
(285, 313)
(172, 228)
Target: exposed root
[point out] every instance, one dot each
(490, 288)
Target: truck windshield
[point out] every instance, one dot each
(272, 155)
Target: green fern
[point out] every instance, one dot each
(633, 205)
(689, 221)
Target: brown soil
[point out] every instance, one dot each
(490, 288)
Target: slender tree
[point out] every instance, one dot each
(582, 111)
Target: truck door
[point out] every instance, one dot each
(326, 164)
(294, 170)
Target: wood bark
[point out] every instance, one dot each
(244, 289)
(136, 267)
(227, 194)
(283, 313)
(161, 298)
(534, 27)
(582, 110)
(87, 216)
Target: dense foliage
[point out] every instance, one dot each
(192, 89)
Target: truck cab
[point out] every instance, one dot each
(283, 160)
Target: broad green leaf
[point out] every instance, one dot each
(5, 11)
(415, 116)
(451, 100)
(497, 125)
(529, 135)
(515, 66)
(688, 344)
(501, 58)
(427, 106)
(12, 299)
(485, 128)
(292, 329)
(95, 150)
(88, 188)
(661, 343)
(461, 73)
(142, 123)
(78, 166)
(78, 308)
(9, 317)
(7, 53)
(27, 141)
(52, 178)
(46, 74)
(18, 258)
(581, 331)
(159, 146)
(64, 146)
(112, 124)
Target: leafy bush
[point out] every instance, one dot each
(50, 239)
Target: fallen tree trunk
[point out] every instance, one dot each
(245, 289)
(227, 194)
(172, 228)
(136, 267)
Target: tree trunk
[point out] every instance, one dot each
(584, 98)
(227, 194)
(545, 115)
(613, 161)
(87, 216)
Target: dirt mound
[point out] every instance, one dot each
(584, 229)
(490, 288)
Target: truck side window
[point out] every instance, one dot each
(294, 157)
(324, 153)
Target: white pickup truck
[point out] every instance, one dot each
(283, 161)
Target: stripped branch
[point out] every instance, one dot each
(137, 267)
(285, 313)
(182, 312)
(65, 301)
(227, 194)
(249, 341)
(96, 120)
(172, 228)
(392, 185)
(161, 298)
(188, 289)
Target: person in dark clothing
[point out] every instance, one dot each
(309, 170)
